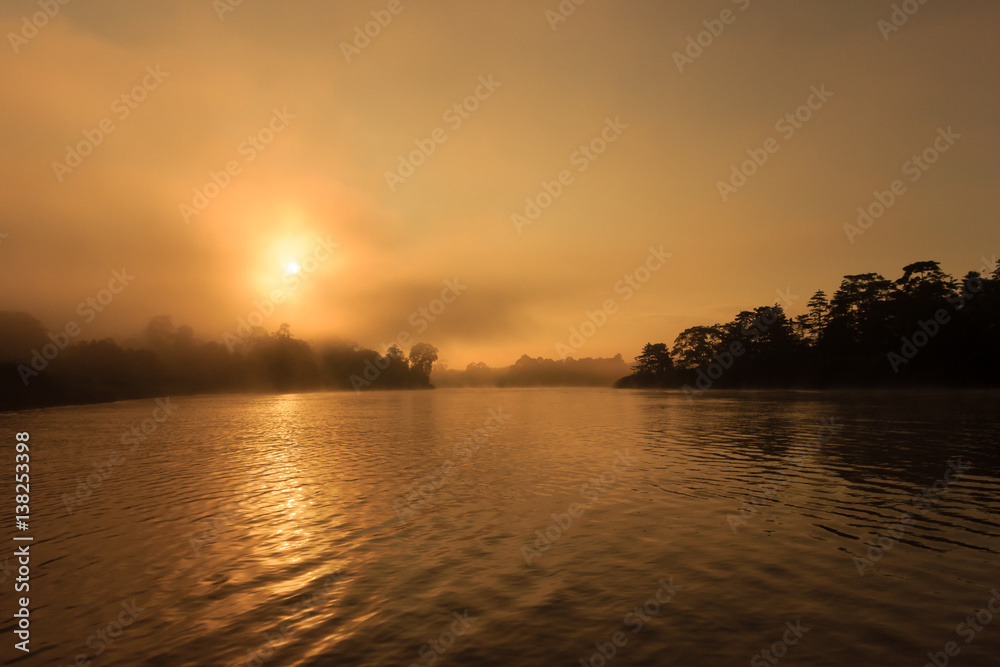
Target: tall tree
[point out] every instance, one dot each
(654, 362)
(814, 321)
(695, 347)
(422, 358)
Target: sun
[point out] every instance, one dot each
(292, 268)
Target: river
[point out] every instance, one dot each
(513, 527)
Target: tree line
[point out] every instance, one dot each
(924, 328)
(167, 360)
(537, 372)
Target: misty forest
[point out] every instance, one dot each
(925, 328)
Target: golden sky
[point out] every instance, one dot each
(309, 118)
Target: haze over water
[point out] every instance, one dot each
(267, 524)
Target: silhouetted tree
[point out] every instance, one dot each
(422, 358)
(654, 360)
(695, 347)
(814, 321)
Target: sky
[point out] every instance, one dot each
(205, 149)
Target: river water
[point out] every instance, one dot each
(513, 527)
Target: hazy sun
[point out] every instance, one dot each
(292, 268)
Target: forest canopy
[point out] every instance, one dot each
(923, 328)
